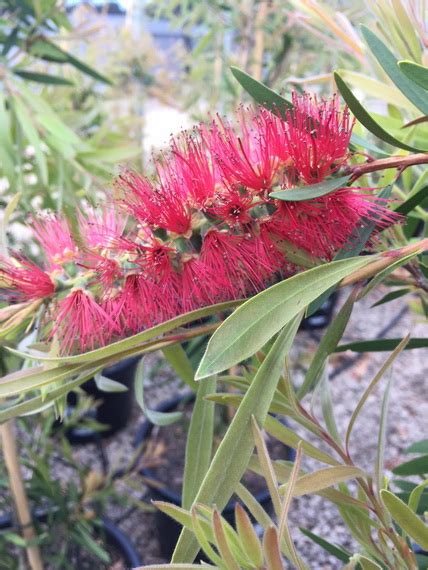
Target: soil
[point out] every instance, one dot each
(171, 440)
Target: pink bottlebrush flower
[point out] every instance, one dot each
(22, 280)
(232, 206)
(54, 236)
(107, 270)
(81, 323)
(134, 307)
(155, 258)
(194, 168)
(317, 136)
(195, 284)
(245, 159)
(161, 207)
(225, 260)
(102, 227)
(323, 225)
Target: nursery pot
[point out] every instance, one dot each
(322, 317)
(168, 530)
(115, 408)
(113, 536)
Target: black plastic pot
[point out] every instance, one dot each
(321, 318)
(113, 535)
(115, 408)
(168, 529)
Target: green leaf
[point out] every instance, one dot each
(119, 347)
(389, 63)
(381, 440)
(327, 345)
(413, 201)
(258, 319)
(366, 119)
(406, 518)
(367, 145)
(418, 447)
(234, 452)
(26, 123)
(391, 297)
(415, 72)
(287, 436)
(416, 494)
(418, 466)
(199, 442)
(42, 77)
(155, 417)
(336, 551)
(381, 345)
(176, 567)
(108, 385)
(261, 93)
(177, 358)
(323, 479)
(312, 191)
(385, 367)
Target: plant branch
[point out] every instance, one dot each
(400, 162)
(20, 499)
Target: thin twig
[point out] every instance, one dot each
(20, 499)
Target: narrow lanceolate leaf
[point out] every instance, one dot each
(234, 452)
(406, 518)
(155, 417)
(178, 359)
(283, 530)
(416, 72)
(381, 440)
(312, 191)
(391, 296)
(414, 92)
(260, 318)
(271, 550)
(336, 551)
(414, 200)
(42, 77)
(386, 366)
(267, 468)
(120, 346)
(222, 543)
(416, 495)
(327, 345)
(177, 567)
(287, 436)
(323, 479)
(418, 466)
(261, 93)
(367, 120)
(418, 447)
(382, 345)
(248, 536)
(199, 442)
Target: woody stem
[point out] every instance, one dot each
(401, 162)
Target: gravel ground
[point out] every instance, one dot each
(350, 373)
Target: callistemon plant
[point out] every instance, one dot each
(204, 229)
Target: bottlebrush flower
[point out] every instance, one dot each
(81, 323)
(245, 158)
(102, 227)
(323, 225)
(232, 206)
(53, 233)
(317, 136)
(212, 188)
(22, 280)
(193, 166)
(159, 206)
